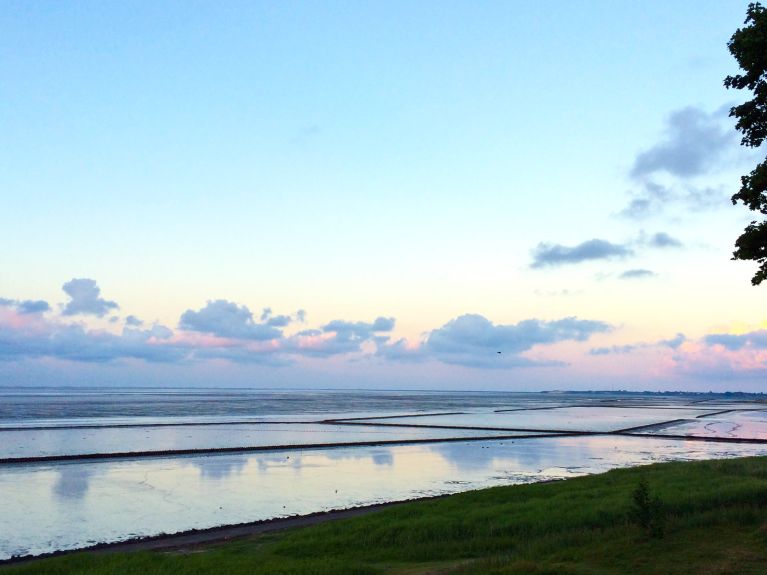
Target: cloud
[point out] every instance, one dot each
(637, 274)
(34, 306)
(27, 306)
(359, 329)
(400, 350)
(724, 356)
(672, 343)
(243, 354)
(693, 145)
(754, 339)
(224, 330)
(658, 240)
(652, 198)
(281, 320)
(552, 255)
(663, 240)
(472, 340)
(219, 330)
(37, 338)
(616, 349)
(226, 319)
(649, 200)
(85, 298)
(340, 336)
(713, 357)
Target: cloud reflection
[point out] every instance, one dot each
(72, 482)
(220, 467)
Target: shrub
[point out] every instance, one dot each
(647, 510)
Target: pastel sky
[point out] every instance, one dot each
(374, 195)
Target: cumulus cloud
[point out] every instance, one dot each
(26, 306)
(34, 306)
(226, 319)
(473, 331)
(727, 356)
(280, 320)
(638, 273)
(734, 342)
(400, 350)
(219, 330)
(472, 340)
(553, 255)
(674, 342)
(359, 329)
(37, 338)
(85, 298)
(269, 318)
(340, 336)
(224, 330)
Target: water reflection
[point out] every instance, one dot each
(476, 455)
(56, 442)
(383, 457)
(292, 460)
(72, 482)
(63, 506)
(220, 467)
(564, 418)
(743, 425)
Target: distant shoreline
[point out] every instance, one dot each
(619, 392)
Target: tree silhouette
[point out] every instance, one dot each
(749, 47)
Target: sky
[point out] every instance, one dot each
(386, 195)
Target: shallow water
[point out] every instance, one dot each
(64, 506)
(104, 440)
(119, 405)
(70, 504)
(564, 418)
(740, 425)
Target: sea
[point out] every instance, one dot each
(86, 466)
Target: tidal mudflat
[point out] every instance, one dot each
(361, 453)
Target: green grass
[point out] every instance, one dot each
(715, 523)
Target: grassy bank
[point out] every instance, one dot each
(713, 518)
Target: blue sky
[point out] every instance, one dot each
(477, 172)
